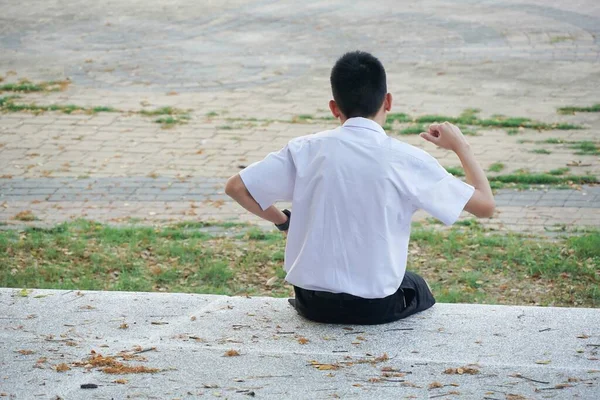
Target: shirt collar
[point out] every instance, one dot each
(360, 122)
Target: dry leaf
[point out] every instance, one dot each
(543, 362)
(231, 353)
(374, 380)
(302, 340)
(192, 318)
(461, 371)
(562, 386)
(121, 381)
(435, 385)
(62, 367)
(511, 396)
(271, 281)
(26, 352)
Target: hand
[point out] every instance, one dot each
(446, 136)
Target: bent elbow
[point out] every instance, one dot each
(487, 211)
(230, 187)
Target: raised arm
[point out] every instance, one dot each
(449, 136)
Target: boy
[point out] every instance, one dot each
(354, 190)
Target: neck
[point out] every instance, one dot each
(379, 118)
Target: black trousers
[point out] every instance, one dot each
(412, 296)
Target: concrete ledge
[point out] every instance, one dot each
(521, 351)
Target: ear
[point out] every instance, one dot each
(387, 102)
(335, 111)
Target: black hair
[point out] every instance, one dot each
(358, 84)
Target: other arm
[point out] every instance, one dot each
(236, 189)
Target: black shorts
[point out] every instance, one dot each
(412, 296)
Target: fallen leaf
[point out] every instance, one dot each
(271, 281)
(192, 318)
(62, 367)
(583, 336)
(231, 353)
(121, 381)
(123, 326)
(461, 371)
(302, 340)
(511, 396)
(543, 362)
(435, 385)
(26, 352)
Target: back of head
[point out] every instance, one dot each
(358, 84)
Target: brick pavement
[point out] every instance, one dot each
(270, 61)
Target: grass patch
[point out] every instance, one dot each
(212, 114)
(553, 141)
(496, 167)
(574, 109)
(541, 151)
(559, 39)
(469, 117)
(512, 131)
(398, 117)
(172, 120)
(462, 264)
(7, 104)
(163, 111)
(456, 171)
(585, 148)
(543, 179)
(26, 86)
(559, 171)
(412, 130)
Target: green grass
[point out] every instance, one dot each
(559, 171)
(574, 109)
(26, 86)
(412, 130)
(172, 120)
(543, 179)
(541, 151)
(496, 167)
(558, 39)
(469, 117)
(163, 111)
(8, 104)
(553, 141)
(456, 171)
(212, 114)
(585, 148)
(399, 117)
(462, 264)
(512, 131)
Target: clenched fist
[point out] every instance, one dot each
(446, 136)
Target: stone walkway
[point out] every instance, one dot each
(245, 71)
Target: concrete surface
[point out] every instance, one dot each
(516, 351)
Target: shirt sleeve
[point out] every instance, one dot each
(439, 193)
(271, 179)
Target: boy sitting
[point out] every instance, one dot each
(354, 191)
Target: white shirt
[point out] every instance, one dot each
(353, 191)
